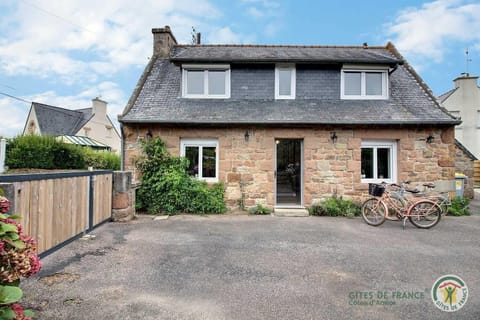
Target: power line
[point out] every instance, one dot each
(16, 98)
(56, 16)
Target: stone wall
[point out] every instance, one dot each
(123, 197)
(464, 164)
(247, 167)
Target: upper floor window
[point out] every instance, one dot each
(206, 81)
(364, 84)
(285, 82)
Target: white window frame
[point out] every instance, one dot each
(205, 68)
(363, 70)
(201, 143)
(293, 77)
(375, 144)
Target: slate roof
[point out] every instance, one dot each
(157, 98)
(59, 121)
(310, 54)
(446, 95)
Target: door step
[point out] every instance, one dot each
(290, 212)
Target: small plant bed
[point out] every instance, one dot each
(335, 207)
(260, 210)
(459, 207)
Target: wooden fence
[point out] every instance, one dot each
(58, 207)
(476, 172)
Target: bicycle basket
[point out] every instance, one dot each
(375, 189)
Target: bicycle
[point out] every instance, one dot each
(442, 198)
(422, 213)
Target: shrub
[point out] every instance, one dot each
(459, 207)
(259, 209)
(167, 188)
(43, 152)
(101, 159)
(334, 207)
(18, 259)
(46, 152)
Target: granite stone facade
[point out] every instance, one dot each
(247, 167)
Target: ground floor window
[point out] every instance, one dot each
(379, 159)
(202, 155)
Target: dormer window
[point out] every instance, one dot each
(362, 83)
(206, 81)
(285, 82)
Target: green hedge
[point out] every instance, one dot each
(46, 152)
(167, 188)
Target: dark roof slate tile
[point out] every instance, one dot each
(158, 99)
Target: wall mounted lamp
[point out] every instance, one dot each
(149, 134)
(430, 139)
(333, 136)
(246, 136)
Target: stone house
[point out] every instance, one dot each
(90, 127)
(286, 126)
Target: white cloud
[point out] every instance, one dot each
(254, 12)
(425, 32)
(15, 112)
(225, 35)
(77, 39)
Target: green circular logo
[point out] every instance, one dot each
(449, 293)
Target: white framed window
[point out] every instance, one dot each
(202, 155)
(206, 81)
(285, 82)
(359, 83)
(379, 161)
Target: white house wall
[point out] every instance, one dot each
(466, 100)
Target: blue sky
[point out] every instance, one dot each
(67, 52)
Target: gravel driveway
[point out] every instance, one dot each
(258, 267)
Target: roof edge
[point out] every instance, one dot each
(350, 123)
(464, 149)
(138, 87)
(391, 47)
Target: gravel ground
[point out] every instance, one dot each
(257, 267)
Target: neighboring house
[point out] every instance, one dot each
(88, 127)
(286, 126)
(464, 101)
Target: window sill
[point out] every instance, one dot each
(343, 97)
(376, 181)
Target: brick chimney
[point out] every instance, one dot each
(99, 107)
(163, 41)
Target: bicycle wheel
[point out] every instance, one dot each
(444, 202)
(374, 211)
(424, 214)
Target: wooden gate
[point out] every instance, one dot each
(476, 172)
(58, 207)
